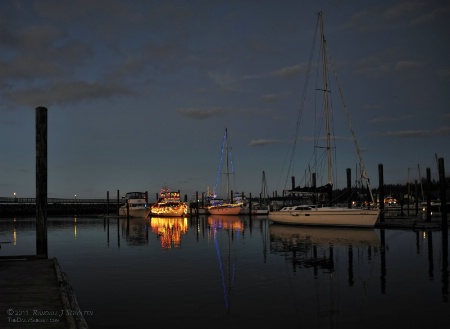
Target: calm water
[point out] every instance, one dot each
(239, 273)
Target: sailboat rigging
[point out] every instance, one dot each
(227, 207)
(330, 216)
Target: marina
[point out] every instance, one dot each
(238, 271)
(312, 257)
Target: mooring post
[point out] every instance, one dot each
(428, 195)
(107, 203)
(381, 191)
(128, 211)
(349, 186)
(443, 193)
(118, 204)
(249, 204)
(196, 201)
(416, 197)
(41, 182)
(314, 185)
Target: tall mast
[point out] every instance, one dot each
(325, 92)
(227, 172)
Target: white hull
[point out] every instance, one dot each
(326, 216)
(134, 212)
(224, 210)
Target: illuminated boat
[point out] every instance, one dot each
(169, 204)
(135, 204)
(219, 206)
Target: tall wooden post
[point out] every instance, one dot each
(107, 203)
(428, 195)
(416, 197)
(443, 193)
(118, 203)
(381, 191)
(349, 186)
(314, 186)
(41, 182)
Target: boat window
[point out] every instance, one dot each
(303, 208)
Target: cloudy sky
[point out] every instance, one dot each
(139, 93)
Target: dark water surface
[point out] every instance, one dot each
(237, 272)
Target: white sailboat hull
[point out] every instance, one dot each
(326, 216)
(224, 210)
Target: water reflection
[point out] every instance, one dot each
(242, 272)
(169, 230)
(310, 247)
(226, 231)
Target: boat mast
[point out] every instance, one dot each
(227, 174)
(325, 93)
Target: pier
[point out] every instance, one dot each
(35, 293)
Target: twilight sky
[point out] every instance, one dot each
(139, 93)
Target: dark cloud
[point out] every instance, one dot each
(66, 92)
(202, 114)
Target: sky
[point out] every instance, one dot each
(139, 93)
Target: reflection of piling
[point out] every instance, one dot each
(430, 255)
(443, 197)
(443, 193)
(445, 270)
(383, 262)
(41, 182)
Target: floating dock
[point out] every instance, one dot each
(36, 294)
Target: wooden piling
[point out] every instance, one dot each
(107, 203)
(41, 182)
(349, 186)
(381, 191)
(196, 201)
(428, 195)
(314, 186)
(443, 193)
(118, 203)
(416, 197)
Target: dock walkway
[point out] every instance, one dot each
(34, 293)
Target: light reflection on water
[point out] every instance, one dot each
(236, 272)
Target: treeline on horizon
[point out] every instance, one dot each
(402, 191)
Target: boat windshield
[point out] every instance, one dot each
(135, 195)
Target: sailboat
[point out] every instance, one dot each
(219, 206)
(312, 214)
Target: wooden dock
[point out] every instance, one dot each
(34, 293)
